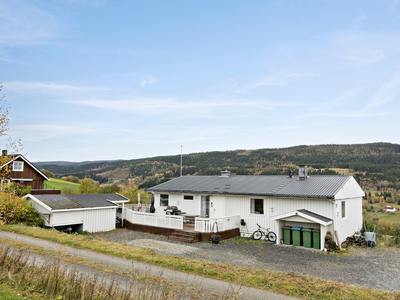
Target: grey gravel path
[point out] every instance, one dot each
(368, 267)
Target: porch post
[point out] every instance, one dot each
(123, 213)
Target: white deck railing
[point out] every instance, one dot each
(224, 223)
(157, 220)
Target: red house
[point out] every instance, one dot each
(16, 168)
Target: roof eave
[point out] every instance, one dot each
(245, 194)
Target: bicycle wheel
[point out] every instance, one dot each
(257, 235)
(271, 236)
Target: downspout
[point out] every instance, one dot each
(334, 219)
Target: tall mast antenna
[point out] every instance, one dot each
(181, 160)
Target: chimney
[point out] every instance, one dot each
(4, 153)
(302, 172)
(225, 173)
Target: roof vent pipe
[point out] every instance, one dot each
(225, 173)
(302, 171)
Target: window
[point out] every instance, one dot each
(18, 166)
(188, 197)
(257, 206)
(164, 200)
(343, 209)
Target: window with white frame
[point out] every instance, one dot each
(164, 199)
(343, 209)
(257, 206)
(18, 166)
(188, 197)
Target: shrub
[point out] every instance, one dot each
(18, 188)
(14, 210)
(69, 190)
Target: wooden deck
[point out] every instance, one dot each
(187, 227)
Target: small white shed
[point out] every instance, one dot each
(83, 212)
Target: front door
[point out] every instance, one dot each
(205, 206)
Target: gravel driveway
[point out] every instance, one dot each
(369, 267)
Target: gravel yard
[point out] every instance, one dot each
(376, 268)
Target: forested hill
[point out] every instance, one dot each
(371, 164)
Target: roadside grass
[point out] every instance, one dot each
(10, 293)
(292, 284)
(59, 184)
(53, 281)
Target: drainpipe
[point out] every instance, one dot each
(334, 218)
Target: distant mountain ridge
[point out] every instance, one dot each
(70, 163)
(369, 163)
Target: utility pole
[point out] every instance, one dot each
(181, 160)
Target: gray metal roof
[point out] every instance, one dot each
(319, 186)
(314, 215)
(74, 201)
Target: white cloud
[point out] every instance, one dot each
(387, 93)
(366, 49)
(299, 75)
(40, 87)
(42, 132)
(161, 106)
(148, 81)
(360, 19)
(22, 23)
(264, 82)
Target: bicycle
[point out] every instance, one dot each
(260, 232)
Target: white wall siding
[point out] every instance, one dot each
(350, 190)
(66, 218)
(41, 210)
(217, 206)
(273, 207)
(97, 220)
(188, 206)
(353, 220)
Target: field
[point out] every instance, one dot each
(59, 184)
(392, 217)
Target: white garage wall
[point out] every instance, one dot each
(97, 220)
(66, 218)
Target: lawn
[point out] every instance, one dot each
(59, 184)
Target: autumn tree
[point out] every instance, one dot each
(89, 186)
(12, 145)
(47, 173)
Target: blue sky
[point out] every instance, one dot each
(90, 80)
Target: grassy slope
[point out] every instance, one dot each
(58, 184)
(9, 293)
(292, 284)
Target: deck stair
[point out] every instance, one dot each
(184, 236)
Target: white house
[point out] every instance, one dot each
(389, 209)
(328, 203)
(90, 212)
